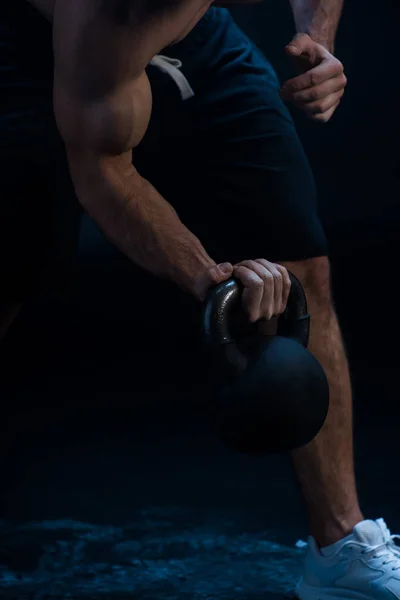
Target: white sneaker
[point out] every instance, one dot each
(363, 566)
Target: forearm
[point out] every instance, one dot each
(142, 224)
(318, 18)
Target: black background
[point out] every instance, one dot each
(103, 416)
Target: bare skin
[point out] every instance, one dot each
(325, 467)
(318, 19)
(102, 103)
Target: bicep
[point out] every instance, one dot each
(106, 126)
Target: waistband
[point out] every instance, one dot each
(211, 20)
(172, 66)
(191, 45)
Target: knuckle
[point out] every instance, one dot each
(314, 95)
(254, 316)
(282, 309)
(282, 269)
(344, 80)
(325, 105)
(319, 108)
(285, 276)
(244, 263)
(278, 275)
(314, 79)
(340, 66)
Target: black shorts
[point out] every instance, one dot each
(228, 158)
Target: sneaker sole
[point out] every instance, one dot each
(309, 592)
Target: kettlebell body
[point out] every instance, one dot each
(271, 394)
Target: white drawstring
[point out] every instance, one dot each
(171, 66)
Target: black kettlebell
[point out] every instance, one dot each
(270, 393)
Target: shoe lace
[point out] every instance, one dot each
(395, 549)
(388, 551)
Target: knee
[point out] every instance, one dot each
(315, 276)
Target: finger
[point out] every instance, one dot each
(219, 273)
(210, 278)
(300, 44)
(267, 305)
(272, 269)
(322, 106)
(253, 291)
(287, 285)
(316, 93)
(325, 117)
(327, 69)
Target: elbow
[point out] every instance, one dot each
(97, 176)
(85, 174)
(79, 168)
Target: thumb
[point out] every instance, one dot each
(212, 277)
(222, 272)
(300, 43)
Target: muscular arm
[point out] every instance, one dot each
(318, 18)
(102, 101)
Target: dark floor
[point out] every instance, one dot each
(121, 489)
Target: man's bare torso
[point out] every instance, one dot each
(100, 61)
(188, 17)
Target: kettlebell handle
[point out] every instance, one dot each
(223, 298)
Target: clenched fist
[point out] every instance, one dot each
(266, 286)
(320, 86)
